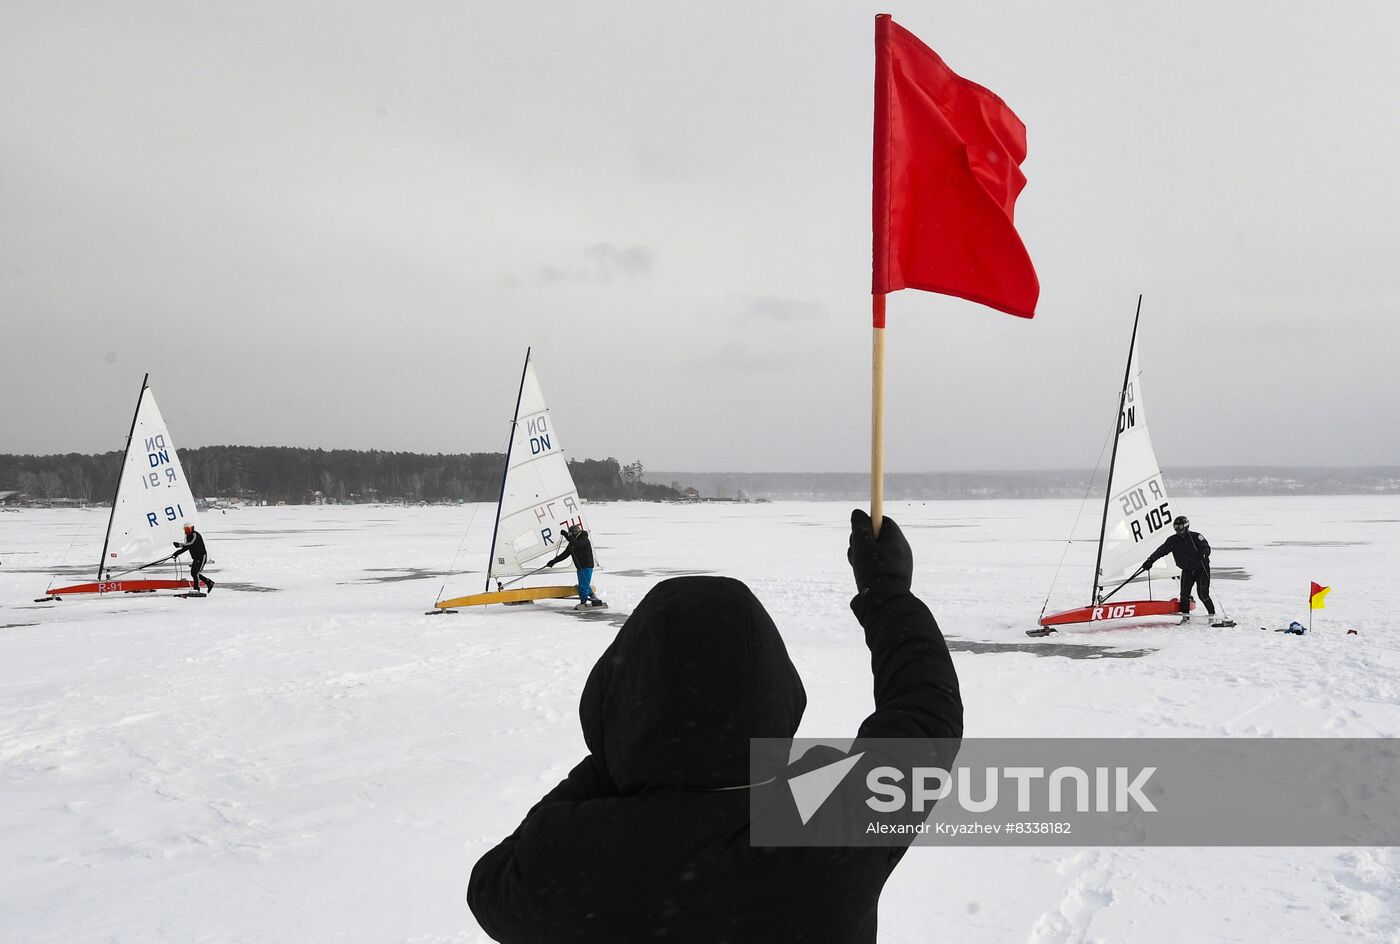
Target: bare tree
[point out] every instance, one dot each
(81, 482)
(51, 484)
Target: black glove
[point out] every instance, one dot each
(175, 544)
(887, 563)
(1147, 565)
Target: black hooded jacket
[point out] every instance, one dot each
(1190, 551)
(642, 843)
(579, 547)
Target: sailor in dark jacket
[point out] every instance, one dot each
(194, 544)
(580, 548)
(1191, 552)
(648, 838)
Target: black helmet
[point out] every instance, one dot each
(574, 529)
(1181, 523)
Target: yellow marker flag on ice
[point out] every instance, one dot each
(1319, 596)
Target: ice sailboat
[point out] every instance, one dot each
(151, 506)
(1137, 516)
(538, 501)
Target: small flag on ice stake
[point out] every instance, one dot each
(1319, 596)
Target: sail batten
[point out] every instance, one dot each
(532, 459)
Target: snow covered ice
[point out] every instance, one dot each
(306, 756)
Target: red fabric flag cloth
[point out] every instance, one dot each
(948, 156)
(1317, 596)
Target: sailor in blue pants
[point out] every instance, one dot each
(580, 549)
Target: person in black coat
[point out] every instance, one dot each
(578, 546)
(647, 839)
(194, 545)
(1191, 552)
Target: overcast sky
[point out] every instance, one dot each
(340, 225)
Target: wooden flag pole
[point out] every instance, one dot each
(877, 414)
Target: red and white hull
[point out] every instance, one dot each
(122, 586)
(1127, 609)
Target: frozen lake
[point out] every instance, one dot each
(306, 756)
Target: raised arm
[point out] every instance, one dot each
(568, 549)
(916, 686)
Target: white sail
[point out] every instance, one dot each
(1139, 513)
(154, 501)
(538, 497)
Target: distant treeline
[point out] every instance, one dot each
(304, 476)
(1066, 483)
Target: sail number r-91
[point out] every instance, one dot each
(172, 513)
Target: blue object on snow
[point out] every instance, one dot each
(1296, 628)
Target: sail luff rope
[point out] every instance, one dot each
(1098, 463)
(460, 544)
(78, 531)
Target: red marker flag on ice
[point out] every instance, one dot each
(1317, 596)
(948, 156)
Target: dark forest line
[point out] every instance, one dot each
(304, 476)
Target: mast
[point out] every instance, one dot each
(106, 538)
(1117, 431)
(500, 500)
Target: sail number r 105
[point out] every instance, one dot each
(1136, 500)
(1156, 519)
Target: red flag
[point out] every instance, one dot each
(947, 174)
